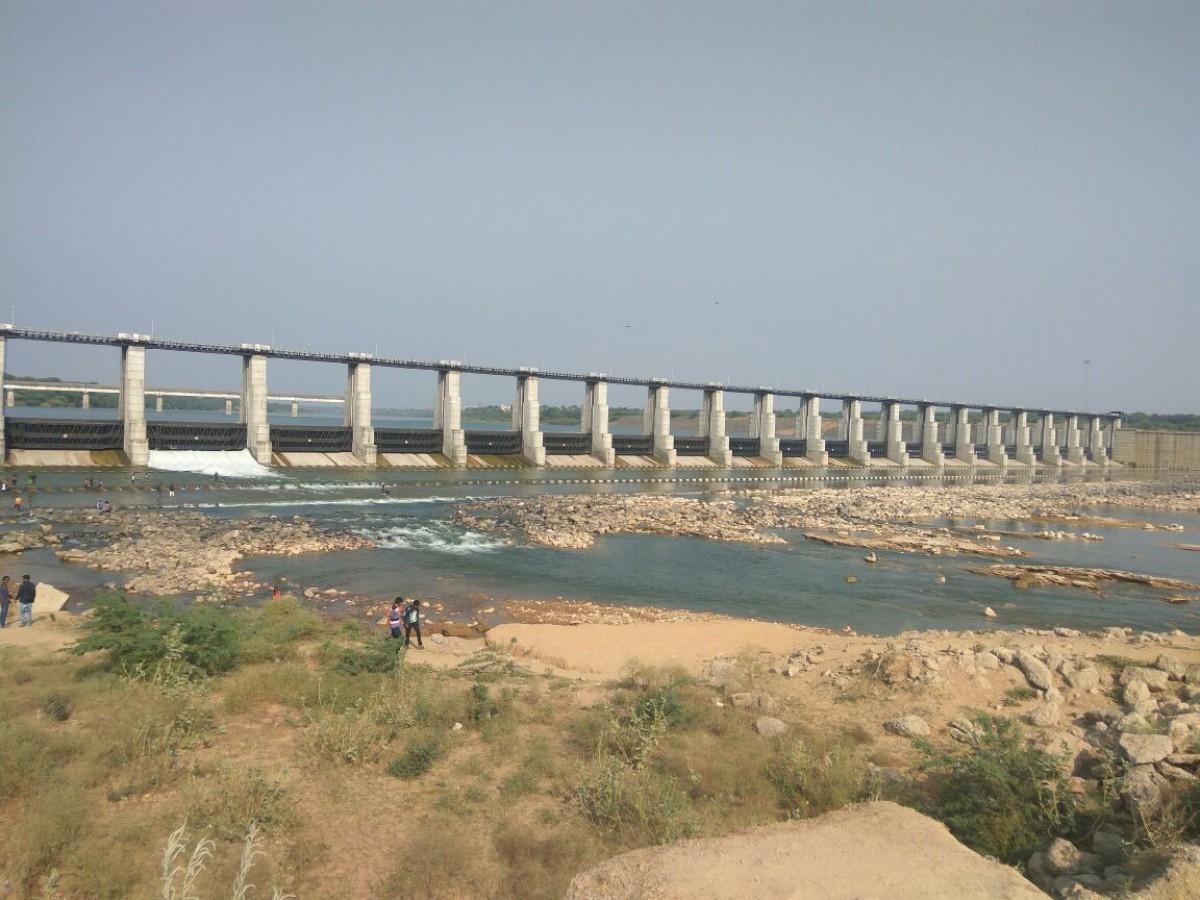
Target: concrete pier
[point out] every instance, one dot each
(595, 420)
(890, 430)
(850, 429)
(447, 415)
(1019, 427)
(132, 403)
(928, 435)
(229, 407)
(9, 398)
(85, 401)
(993, 437)
(1074, 444)
(656, 422)
(295, 410)
(958, 432)
(712, 426)
(1095, 442)
(809, 429)
(1048, 441)
(158, 403)
(762, 426)
(526, 418)
(356, 412)
(254, 407)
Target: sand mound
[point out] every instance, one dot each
(866, 851)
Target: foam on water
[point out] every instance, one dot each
(435, 536)
(226, 463)
(342, 501)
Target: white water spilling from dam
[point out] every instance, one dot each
(226, 463)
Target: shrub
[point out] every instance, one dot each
(57, 706)
(540, 866)
(137, 640)
(1000, 797)
(27, 754)
(229, 801)
(372, 655)
(417, 759)
(268, 633)
(815, 775)
(638, 806)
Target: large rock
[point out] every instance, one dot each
(1146, 749)
(1084, 679)
(869, 850)
(768, 726)
(1062, 857)
(1036, 672)
(1141, 792)
(908, 726)
(1155, 679)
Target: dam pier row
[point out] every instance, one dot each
(897, 433)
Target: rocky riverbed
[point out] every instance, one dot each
(893, 517)
(176, 553)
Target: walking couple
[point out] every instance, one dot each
(406, 613)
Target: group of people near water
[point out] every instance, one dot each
(406, 614)
(25, 595)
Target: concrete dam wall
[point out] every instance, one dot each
(1162, 451)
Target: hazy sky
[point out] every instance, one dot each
(918, 198)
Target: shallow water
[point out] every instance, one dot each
(419, 552)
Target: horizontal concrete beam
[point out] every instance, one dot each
(153, 343)
(64, 387)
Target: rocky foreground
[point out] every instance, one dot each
(892, 517)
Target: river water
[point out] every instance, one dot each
(420, 553)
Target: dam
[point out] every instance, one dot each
(898, 433)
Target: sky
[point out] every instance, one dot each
(929, 199)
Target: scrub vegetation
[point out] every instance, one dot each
(206, 752)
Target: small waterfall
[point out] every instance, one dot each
(226, 463)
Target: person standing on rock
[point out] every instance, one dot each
(412, 623)
(26, 594)
(395, 617)
(5, 600)
(18, 502)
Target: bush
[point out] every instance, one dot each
(540, 866)
(1001, 798)
(57, 706)
(417, 759)
(230, 801)
(372, 655)
(268, 633)
(638, 806)
(27, 754)
(137, 640)
(813, 776)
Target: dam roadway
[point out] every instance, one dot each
(901, 432)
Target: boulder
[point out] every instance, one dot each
(768, 726)
(1084, 679)
(1146, 749)
(1045, 715)
(1155, 679)
(1110, 846)
(866, 850)
(1141, 792)
(1135, 693)
(1062, 857)
(908, 726)
(1036, 672)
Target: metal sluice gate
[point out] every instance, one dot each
(562, 443)
(691, 446)
(493, 442)
(195, 436)
(63, 434)
(311, 439)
